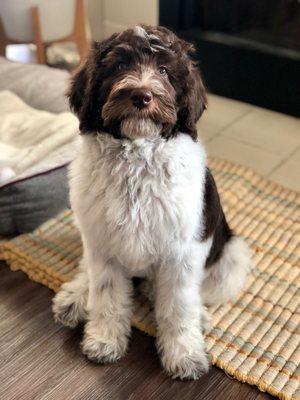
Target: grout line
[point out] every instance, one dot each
(210, 139)
(281, 162)
(289, 154)
(251, 145)
(219, 131)
(254, 148)
(238, 118)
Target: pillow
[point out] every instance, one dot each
(39, 86)
(26, 204)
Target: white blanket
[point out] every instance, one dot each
(33, 141)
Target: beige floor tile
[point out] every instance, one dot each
(220, 113)
(296, 155)
(288, 174)
(244, 154)
(206, 135)
(274, 132)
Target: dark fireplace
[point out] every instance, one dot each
(249, 50)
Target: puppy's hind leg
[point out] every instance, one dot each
(69, 305)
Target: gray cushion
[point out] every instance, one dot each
(26, 204)
(39, 86)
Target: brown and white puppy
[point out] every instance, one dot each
(146, 69)
(145, 202)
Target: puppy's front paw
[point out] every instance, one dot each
(68, 308)
(102, 348)
(184, 360)
(186, 366)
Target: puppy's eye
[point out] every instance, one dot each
(121, 66)
(162, 70)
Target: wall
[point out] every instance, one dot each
(109, 16)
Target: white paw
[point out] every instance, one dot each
(104, 350)
(68, 308)
(184, 356)
(187, 366)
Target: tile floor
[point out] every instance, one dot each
(264, 140)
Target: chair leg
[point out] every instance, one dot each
(80, 29)
(2, 49)
(40, 47)
(3, 40)
(40, 53)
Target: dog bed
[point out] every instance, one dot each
(256, 338)
(35, 147)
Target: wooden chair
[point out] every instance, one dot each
(78, 35)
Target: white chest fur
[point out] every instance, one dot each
(138, 200)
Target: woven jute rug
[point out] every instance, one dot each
(255, 339)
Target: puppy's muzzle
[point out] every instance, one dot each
(141, 97)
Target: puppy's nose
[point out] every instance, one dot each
(141, 97)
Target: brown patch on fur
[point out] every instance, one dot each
(215, 220)
(152, 58)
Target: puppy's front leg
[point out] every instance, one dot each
(109, 311)
(178, 313)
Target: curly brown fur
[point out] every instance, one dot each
(151, 59)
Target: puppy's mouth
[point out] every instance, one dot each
(138, 113)
(134, 127)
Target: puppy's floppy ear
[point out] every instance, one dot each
(194, 100)
(77, 89)
(84, 91)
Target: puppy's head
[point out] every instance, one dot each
(139, 83)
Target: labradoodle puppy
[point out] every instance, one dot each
(145, 202)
